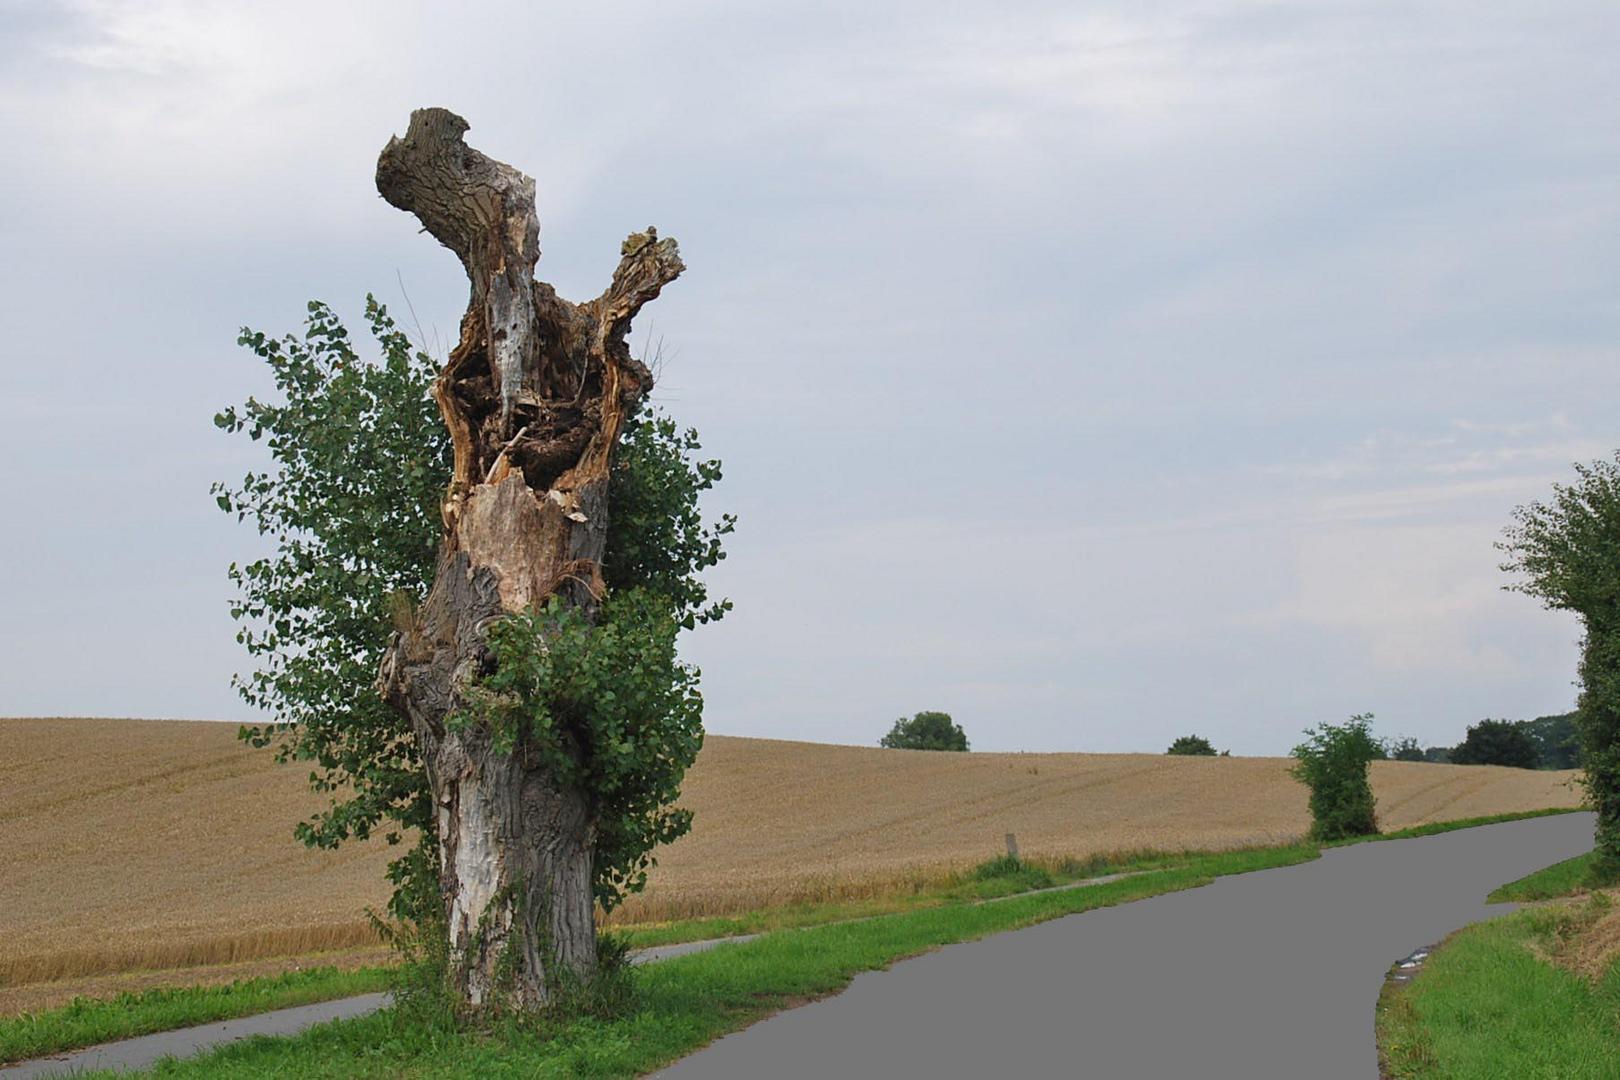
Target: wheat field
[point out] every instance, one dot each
(140, 845)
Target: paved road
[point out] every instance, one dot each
(1266, 976)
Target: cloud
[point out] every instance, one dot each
(1099, 370)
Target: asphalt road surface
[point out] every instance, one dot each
(1265, 976)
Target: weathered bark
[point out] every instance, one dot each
(535, 395)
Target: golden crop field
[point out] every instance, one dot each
(141, 844)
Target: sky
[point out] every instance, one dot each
(1097, 373)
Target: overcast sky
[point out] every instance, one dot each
(1096, 373)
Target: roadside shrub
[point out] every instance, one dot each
(1564, 551)
(1192, 746)
(1012, 868)
(1497, 742)
(1000, 866)
(1333, 762)
(926, 731)
(1406, 748)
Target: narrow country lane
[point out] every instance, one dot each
(1265, 976)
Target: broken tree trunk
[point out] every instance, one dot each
(535, 395)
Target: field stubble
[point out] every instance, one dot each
(139, 845)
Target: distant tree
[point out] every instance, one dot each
(1558, 740)
(1333, 762)
(1405, 748)
(1192, 746)
(1497, 742)
(1564, 551)
(1440, 755)
(926, 731)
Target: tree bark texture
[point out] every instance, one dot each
(535, 395)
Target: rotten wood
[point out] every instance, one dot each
(535, 395)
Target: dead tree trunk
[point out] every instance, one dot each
(534, 395)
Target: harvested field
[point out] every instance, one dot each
(140, 845)
(781, 822)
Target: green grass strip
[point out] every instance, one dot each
(86, 1022)
(1485, 1008)
(1452, 826)
(1560, 879)
(685, 1003)
(990, 881)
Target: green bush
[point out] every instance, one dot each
(1564, 551)
(1406, 748)
(926, 731)
(1333, 762)
(1497, 742)
(1011, 868)
(1192, 746)
(1557, 739)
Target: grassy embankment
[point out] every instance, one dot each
(1534, 995)
(85, 1023)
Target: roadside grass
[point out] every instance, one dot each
(684, 1003)
(988, 881)
(1560, 879)
(997, 877)
(86, 1022)
(1485, 1006)
(1438, 827)
(1491, 1003)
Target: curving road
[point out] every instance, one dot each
(1266, 976)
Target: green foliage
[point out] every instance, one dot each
(1557, 739)
(1405, 748)
(1013, 871)
(1567, 553)
(657, 539)
(360, 461)
(1497, 742)
(926, 731)
(1333, 762)
(608, 709)
(352, 507)
(1192, 746)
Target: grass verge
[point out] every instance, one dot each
(993, 879)
(1560, 879)
(685, 1003)
(86, 1022)
(1486, 1006)
(1438, 827)
(989, 881)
